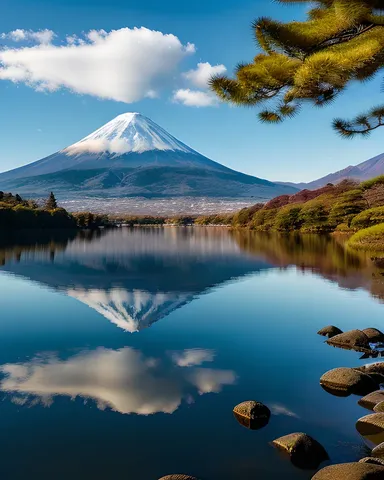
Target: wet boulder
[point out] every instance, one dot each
(373, 460)
(178, 476)
(379, 407)
(304, 451)
(374, 370)
(374, 335)
(345, 381)
(378, 452)
(351, 340)
(330, 331)
(372, 427)
(351, 471)
(252, 415)
(372, 399)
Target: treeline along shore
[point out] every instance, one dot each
(348, 207)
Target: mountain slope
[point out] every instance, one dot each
(364, 171)
(132, 155)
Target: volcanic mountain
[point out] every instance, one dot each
(133, 156)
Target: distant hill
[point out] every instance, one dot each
(133, 156)
(364, 171)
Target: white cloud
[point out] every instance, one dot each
(194, 98)
(278, 409)
(125, 65)
(124, 380)
(19, 35)
(201, 75)
(192, 357)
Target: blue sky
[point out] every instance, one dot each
(35, 124)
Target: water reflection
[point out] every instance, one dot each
(135, 277)
(124, 380)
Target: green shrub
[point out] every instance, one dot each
(288, 218)
(371, 183)
(370, 239)
(368, 218)
(264, 219)
(347, 207)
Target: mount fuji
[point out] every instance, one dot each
(133, 156)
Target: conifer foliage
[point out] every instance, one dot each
(51, 203)
(312, 61)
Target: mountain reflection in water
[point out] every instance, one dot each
(124, 380)
(135, 277)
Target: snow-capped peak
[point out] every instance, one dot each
(129, 132)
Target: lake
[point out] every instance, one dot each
(123, 352)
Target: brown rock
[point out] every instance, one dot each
(351, 471)
(305, 452)
(372, 427)
(379, 407)
(352, 340)
(178, 477)
(346, 381)
(252, 415)
(373, 460)
(378, 452)
(374, 335)
(329, 331)
(372, 399)
(377, 367)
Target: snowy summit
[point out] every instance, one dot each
(129, 132)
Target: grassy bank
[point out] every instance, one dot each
(370, 239)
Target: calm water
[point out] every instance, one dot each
(122, 353)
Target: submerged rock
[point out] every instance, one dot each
(346, 381)
(351, 471)
(330, 331)
(378, 451)
(352, 340)
(374, 335)
(372, 427)
(372, 399)
(178, 476)
(373, 460)
(252, 415)
(305, 452)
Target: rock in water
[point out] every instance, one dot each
(330, 331)
(378, 452)
(372, 399)
(352, 340)
(374, 335)
(252, 415)
(305, 452)
(379, 407)
(373, 460)
(178, 476)
(347, 381)
(372, 427)
(351, 471)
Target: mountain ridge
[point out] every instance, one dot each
(366, 170)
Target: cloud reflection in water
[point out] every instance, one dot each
(123, 380)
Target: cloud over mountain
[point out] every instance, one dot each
(125, 65)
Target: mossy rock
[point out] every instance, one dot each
(347, 381)
(351, 471)
(374, 335)
(352, 340)
(304, 451)
(178, 476)
(373, 460)
(378, 452)
(330, 331)
(379, 407)
(372, 427)
(252, 415)
(372, 399)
